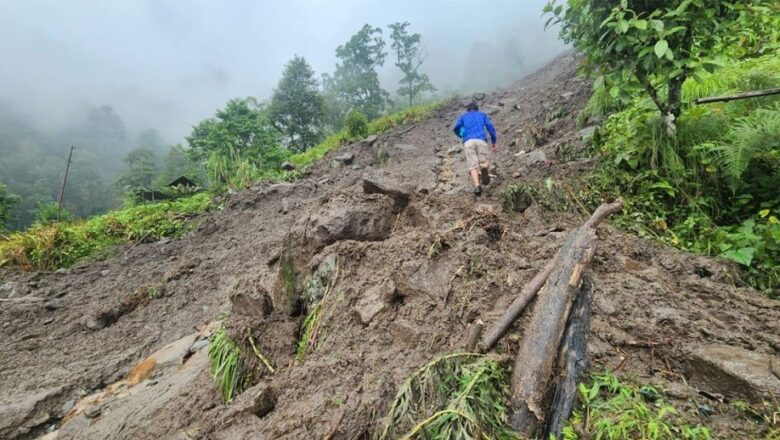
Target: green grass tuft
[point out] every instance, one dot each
(456, 396)
(227, 366)
(307, 332)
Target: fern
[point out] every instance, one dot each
(750, 137)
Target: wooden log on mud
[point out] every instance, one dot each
(516, 308)
(541, 341)
(572, 361)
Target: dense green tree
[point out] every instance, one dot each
(7, 203)
(297, 107)
(355, 83)
(409, 57)
(142, 169)
(658, 43)
(242, 129)
(176, 163)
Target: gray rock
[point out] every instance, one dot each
(374, 301)
(104, 273)
(48, 320)
(567, 95)
(258, 400)
(68, 406)
(345, 218)
(344, 159)
(232, 192)
(734, 372)
(381, 182)
(92, 412)
(287, 166)
(198, 345)
(53, 304)
(369, 141)
(62, 271)
(89, 323)
(532, 157)
(13, 415)
(587, 132)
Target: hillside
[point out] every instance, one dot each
(386, 239)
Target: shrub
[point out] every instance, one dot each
(356, 124)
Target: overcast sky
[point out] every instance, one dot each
(167, 64)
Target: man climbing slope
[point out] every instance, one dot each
(470, 127)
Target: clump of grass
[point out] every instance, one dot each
(48, 246)
(155, 291)
(610, 410)
(227, 366)
(306, 342)
(456, 396)
(517, 197)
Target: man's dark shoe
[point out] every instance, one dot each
(478, 191)
(485, 176)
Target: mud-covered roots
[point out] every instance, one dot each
(456, 396)
(227, 365)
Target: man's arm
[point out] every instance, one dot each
(491, 129)
(458, 126)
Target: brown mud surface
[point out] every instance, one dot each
(408, 259)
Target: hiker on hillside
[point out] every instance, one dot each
(470, 127)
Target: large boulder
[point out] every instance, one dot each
(734, 372)
(382, 182)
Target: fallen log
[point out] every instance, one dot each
(572, 361)
(516, 308)
(746, 95)
(541, 341)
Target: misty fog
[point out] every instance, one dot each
(167, 64)
(113, 76)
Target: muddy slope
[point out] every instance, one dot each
(408, 259)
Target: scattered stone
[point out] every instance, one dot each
(342, 160)
(287, 166)
(198, 345)
(53, 305)
(369, 141)
(255, 304)
(323, 181)
(532, 157)
(706, 410)
(232, 192)
(92, 412)
(374, 301)
(567, 95)
(733, 372)
(104, 273)
(258, 400)
(90, 323)
(587, 132)
(68, 406)
(516, 174)
(356, 167)
(62, 271)
(381, 182)
(454, 150)
(48, 320)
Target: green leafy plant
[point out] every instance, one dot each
(456, 396)
(356, 124)
(306, 341)
(612, 410)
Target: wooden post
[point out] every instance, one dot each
(64, 181)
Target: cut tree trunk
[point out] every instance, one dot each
(746, 95)
(475, 330)
(572, 361)
(542, 339)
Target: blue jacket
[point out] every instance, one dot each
(472, 125)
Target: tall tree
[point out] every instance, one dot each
(659, 43)
(297, 107)
(176, 163)
(141, 169)
(242, 129)
(409, 57)
(355, 83)
(7, 203)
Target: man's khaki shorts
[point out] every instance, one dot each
(477, 152)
